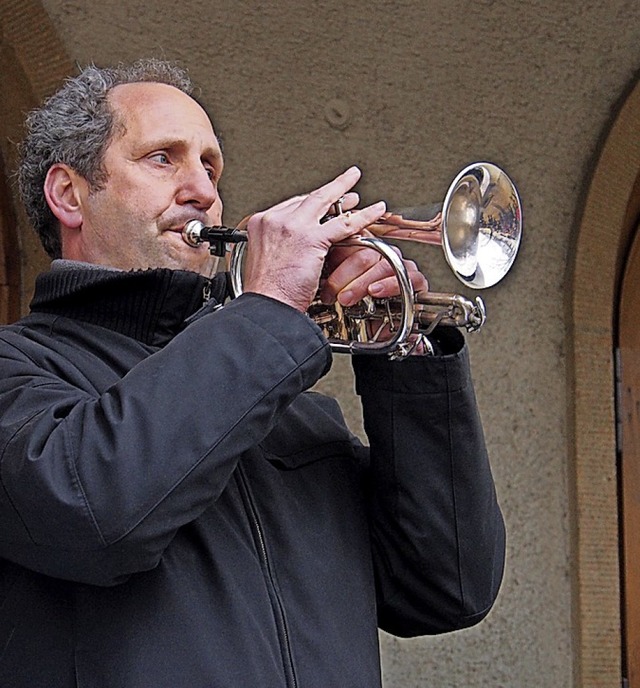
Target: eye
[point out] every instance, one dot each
(211, 173)
(161, 157)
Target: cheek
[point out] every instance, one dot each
(116, 200)
(142, 197)
(215, 211)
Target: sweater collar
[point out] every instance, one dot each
(149, 305)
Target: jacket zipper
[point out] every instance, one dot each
(276, 600)
(206, 292)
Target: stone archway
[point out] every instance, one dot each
(32, 63)
(9, 253)
(611, 211)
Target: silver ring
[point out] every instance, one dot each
(338, 205)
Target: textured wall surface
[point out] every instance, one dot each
(412, 91)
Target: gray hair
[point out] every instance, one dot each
(75, 126)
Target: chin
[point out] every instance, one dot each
(205, 265)
(178, 255)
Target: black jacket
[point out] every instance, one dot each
(177, 511)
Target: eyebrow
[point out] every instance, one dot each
(210, 153)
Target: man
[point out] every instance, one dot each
(176, 509)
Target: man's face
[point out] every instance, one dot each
(162, 171)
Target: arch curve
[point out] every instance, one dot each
(33, 62)
(611, 212)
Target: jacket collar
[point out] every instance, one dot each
(149, 305)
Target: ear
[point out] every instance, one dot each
(62, 188)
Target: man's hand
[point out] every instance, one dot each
(352, 274)
(288, 244)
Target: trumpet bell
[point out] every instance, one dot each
(481, 225)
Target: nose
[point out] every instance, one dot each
(196, 188)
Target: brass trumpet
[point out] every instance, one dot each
(479, 226)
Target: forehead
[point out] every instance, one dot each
(151, 110)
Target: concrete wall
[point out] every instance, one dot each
(411, 91)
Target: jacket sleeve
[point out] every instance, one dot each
(438, 533)
(94, 486)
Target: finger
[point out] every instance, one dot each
(418, 281)
(345, 225)
(348, 201)
(380, 274)
(321, 199)
(344, 265)
(381, 282)
(344, 204)
(389, 286)
(352, 277)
